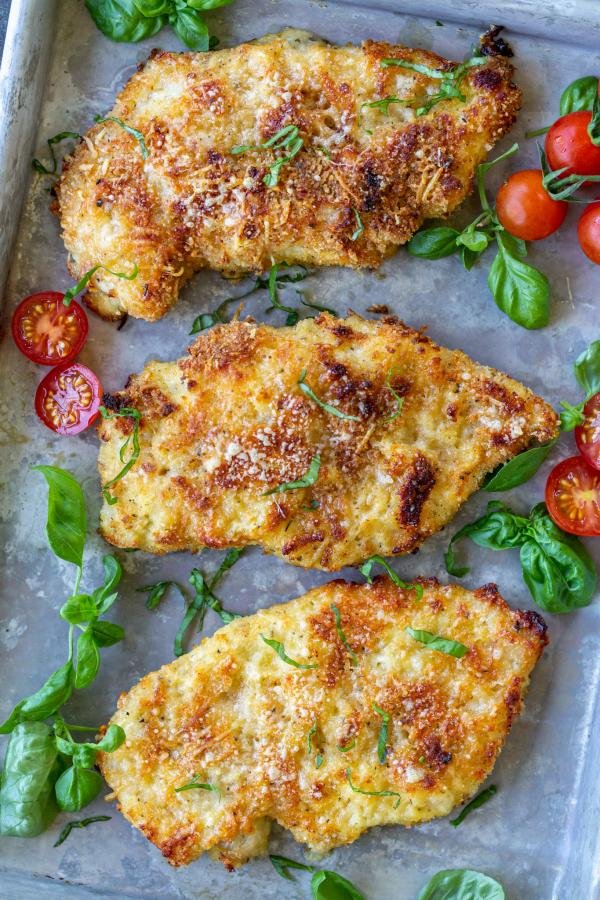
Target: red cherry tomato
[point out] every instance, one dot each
(588, 232)
(48, 332)
(573, 496)
(68, 398)
(587, 436)
(569, 144)
(525, 208)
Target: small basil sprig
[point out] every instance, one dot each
(520, 291)
(135, 20)
(475, 803)
(57, 139)
(555, 566)
(461, 884)
(129, 451)
(581, 94)
(324, 885)
(450, 80)
(37, 779)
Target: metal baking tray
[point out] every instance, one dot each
(539, 836)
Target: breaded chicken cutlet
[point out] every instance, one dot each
(325, 443)
(349, 177)
(298, 739)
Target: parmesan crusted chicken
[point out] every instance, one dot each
(349, 178)
(299, 740)
(324, 443)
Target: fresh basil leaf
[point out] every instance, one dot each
(66, 523)
(53, 694)
(77, 787)
(593, 128)
(587, 369)
(461, 884)
(383, 733)
(82, 823)
(468, 258)
(328, 885)
(306, 481)
(279, 649)
(433, 243)
(358, 790)
(152, 8)
(105, 596)
(120, 20)
(190, 28)
(437, 642)
(579, 95)
(557, 569)
(519, 469)
(88, 659)
(112, 740)
(106, 634)
(571, 416)
(475, 803)
(519, 290)
(366, 568)
(498, 529)
(84, 756)
(340, 633)
(31, 767)
(208, 4)
(282, 864)
(79, 608)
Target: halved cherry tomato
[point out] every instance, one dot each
(587, 436)
(525, 208)
(68, 398)
(588, 232)
(569, 144)
(47, 331)
(573, 496)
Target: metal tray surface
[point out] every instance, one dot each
(539, 836)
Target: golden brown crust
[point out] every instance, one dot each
(234, 714)
(223, 426)
(192, 204)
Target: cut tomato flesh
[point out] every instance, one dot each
(587, 436)
(47, 331)
(68, 398)
(573, 496)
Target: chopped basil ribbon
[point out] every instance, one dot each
(279, 649)
(338, 627)
(376, 559)
(383, 733)
(349, 746)
(306, 480)
(398, 398)
(132, 131)
(310, 736)
(451, 80)
(436, 642)
(131, 444)
(281, 864)
(62, 136)
(333, 410)
(359, 225)
(287, 138)
(195, 784)
(156, 592)
(475, 803)
(383, 104)
(83, 281)
(82, 823)
(358, 790)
